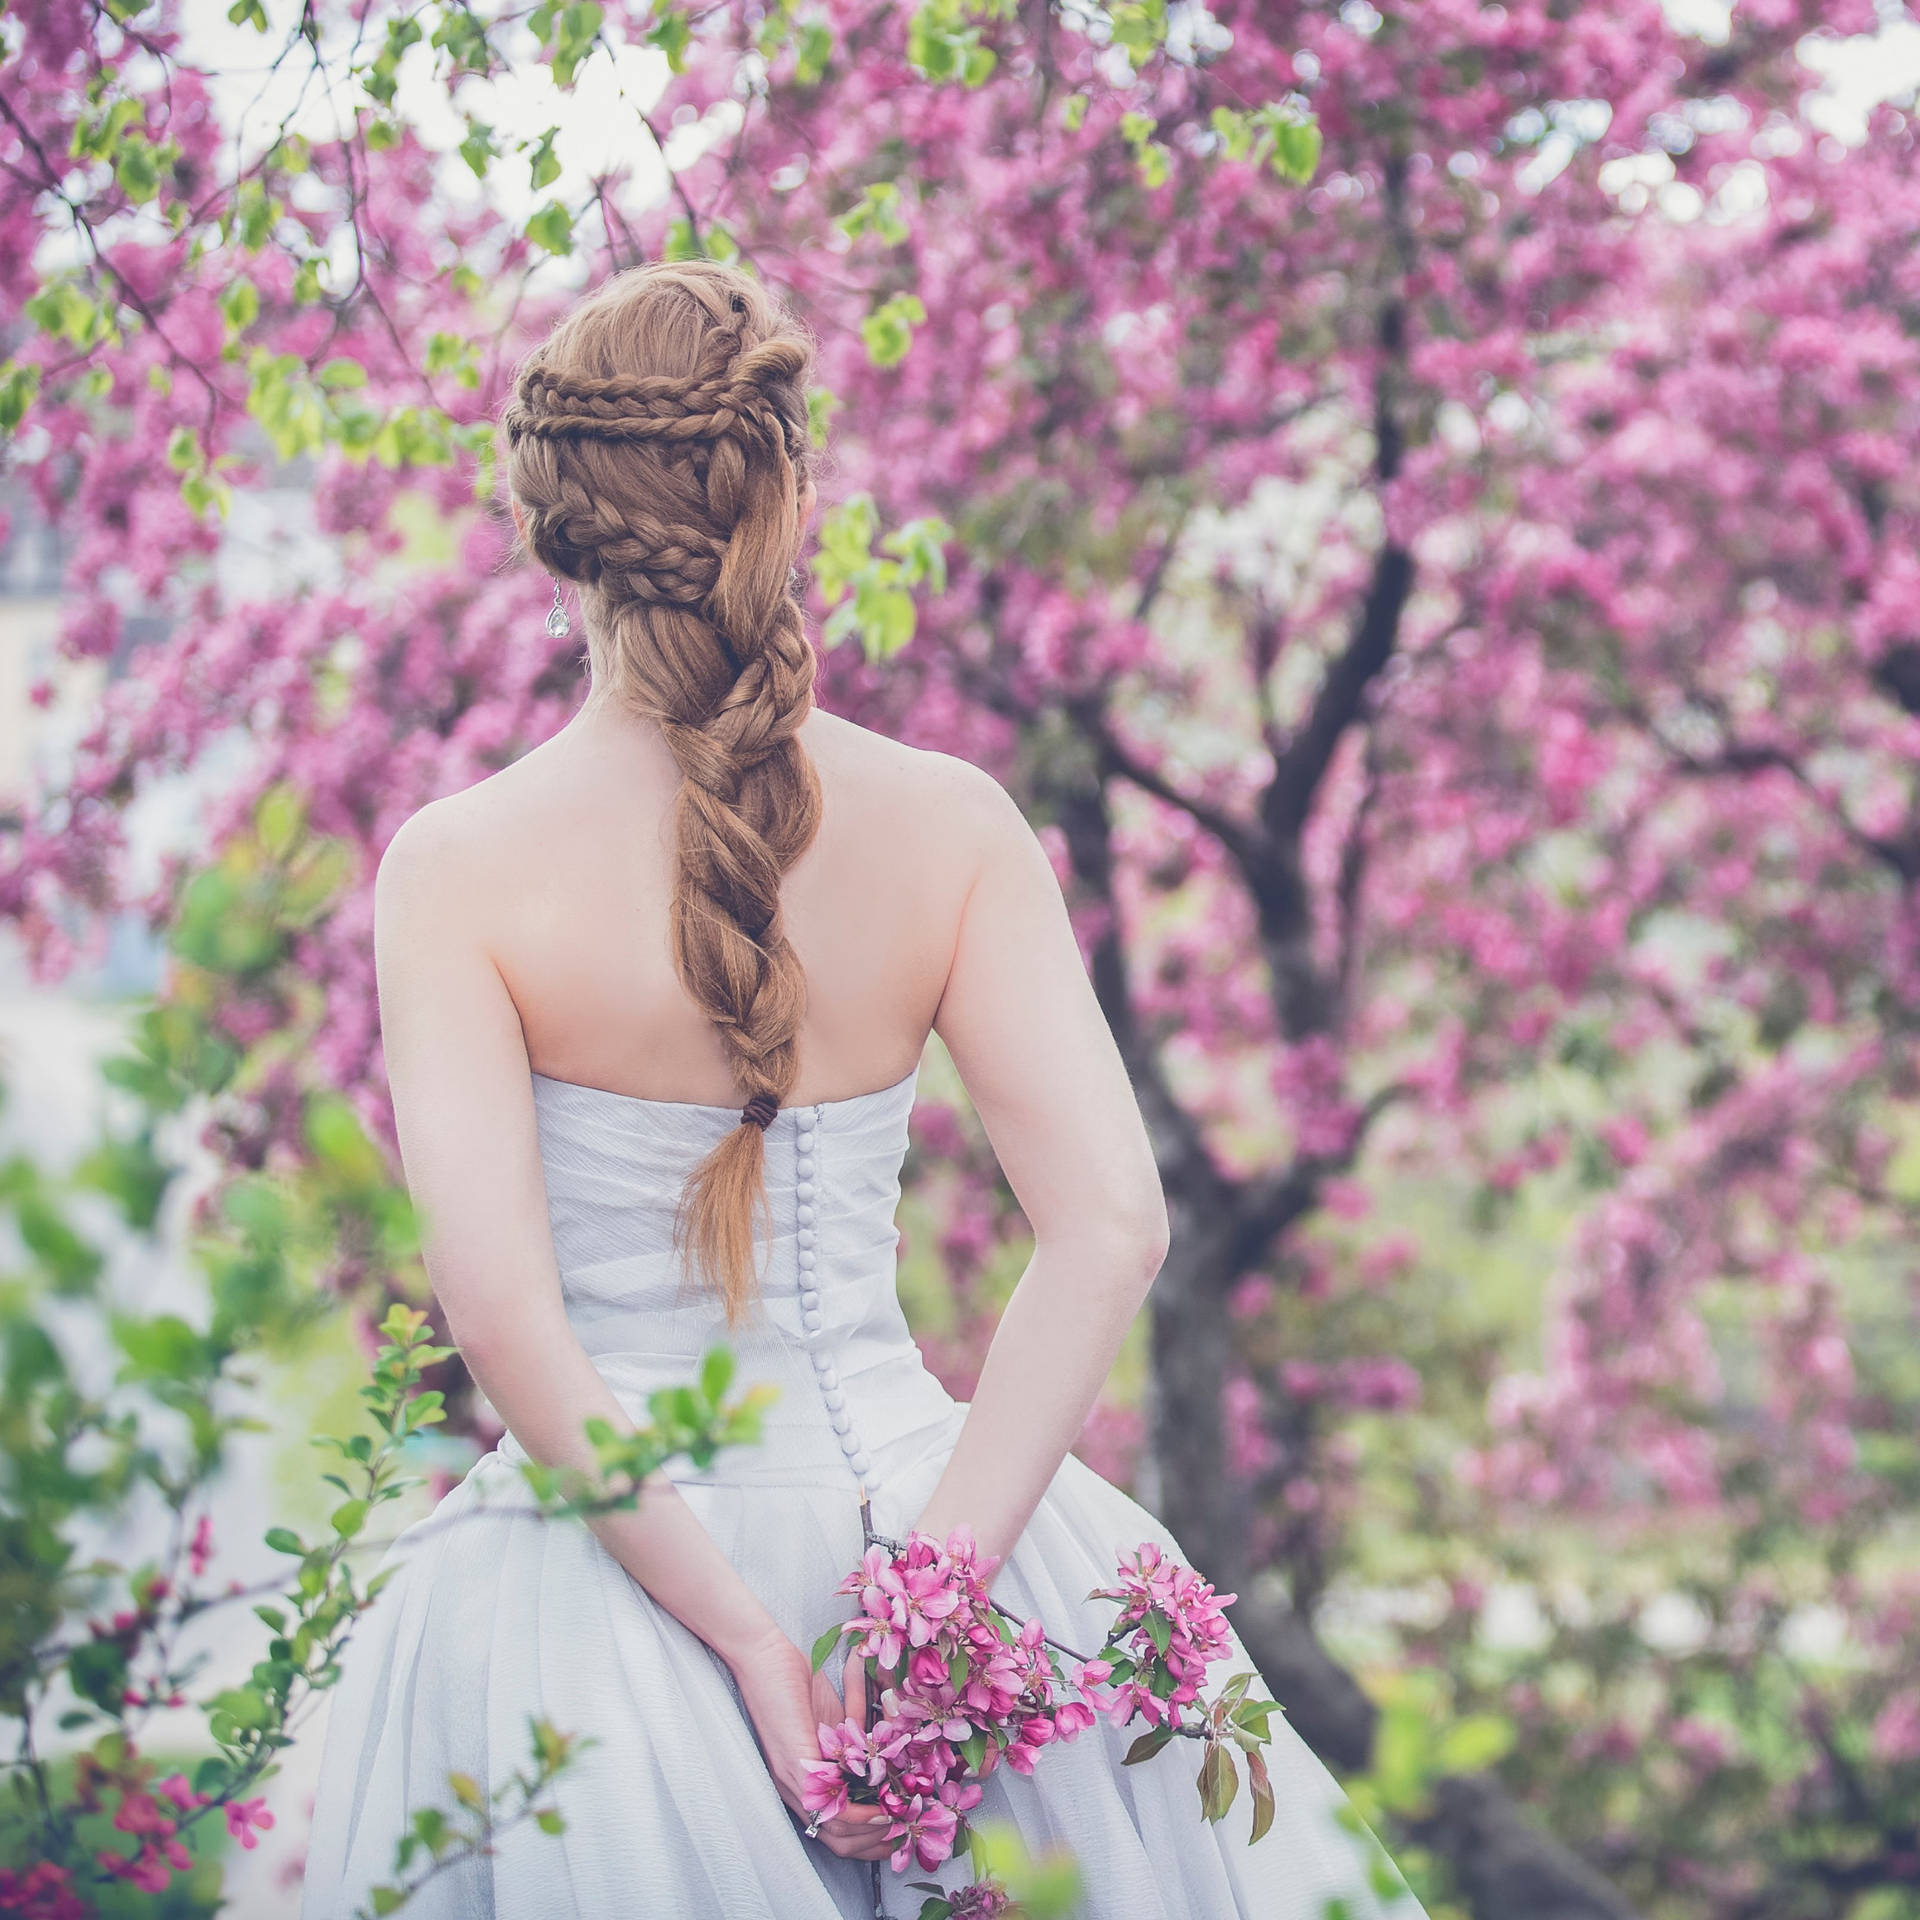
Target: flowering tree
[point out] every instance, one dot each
(1452, 621)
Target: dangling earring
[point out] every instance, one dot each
(558, 625)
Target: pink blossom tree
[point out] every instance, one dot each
(1417, 501)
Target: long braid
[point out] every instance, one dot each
(671, 499)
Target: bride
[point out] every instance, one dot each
(653, 998)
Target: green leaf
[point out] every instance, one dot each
(18, 386)
(1474, 1743)
(888, 329)
(813, 48)
(97, 1671)
(672, 34)
(824, 1646)
(877, 212)
(1261, 1785)
(552, 227)
(478, 150)
(1147, 1746)
(543, 164)
(548, 1820)
(284, 1540)
(1219, 1781)
(240, 303)
(574, 30)
(1296, 151)
(716, 1374)
(137, 168)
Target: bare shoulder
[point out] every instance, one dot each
(936, 803)
(457, 851)
(437, 870)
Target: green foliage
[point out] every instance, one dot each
(1048, 1888)
(551, 226)
(672, 33)
(877, 212)
(1150, 155)
(568, 33)
(438, 1840)
(871, 593)
(888, 329)
(1140, 27)
(18, 385)
(80, 1458)
(943, 43)
(1283, 137)
(1421, 1742)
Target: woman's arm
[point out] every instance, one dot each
(463, 1108)
(1021, 1021)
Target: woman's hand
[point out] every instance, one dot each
(787, 1703)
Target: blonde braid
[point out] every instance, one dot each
(671, 497)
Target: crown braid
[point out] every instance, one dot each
(671, 498)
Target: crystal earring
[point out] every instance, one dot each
(558, 625)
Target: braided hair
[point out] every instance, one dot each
(658, 444)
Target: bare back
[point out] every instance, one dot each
(570, 857)
(523, 926)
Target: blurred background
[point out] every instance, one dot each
(1418, 503)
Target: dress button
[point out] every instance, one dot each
(824, 1368)
(810, 1319)
(805, 1257)
(842, 1420)
(850, 1444)
(805, 1188)
(862, 1466)
(834, 1398)
(804, 1140)
(806, 1216)
(809, 1300)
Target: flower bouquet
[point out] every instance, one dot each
(960, 1685)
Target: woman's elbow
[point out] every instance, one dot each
(1151, 1236)
(1131, 1229)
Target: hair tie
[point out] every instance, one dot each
(759, 1111)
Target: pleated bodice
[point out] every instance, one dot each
(827, 1333)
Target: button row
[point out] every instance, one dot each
(831, 1392)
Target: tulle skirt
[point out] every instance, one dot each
(497, 1615)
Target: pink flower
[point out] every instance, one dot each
(152, 1868)
(926, 1830)
(243, 1816)
(43, 1892)
(175, 1787)
(983, 1900)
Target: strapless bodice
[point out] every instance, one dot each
(827, 1333)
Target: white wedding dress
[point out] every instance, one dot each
(497, 1615)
